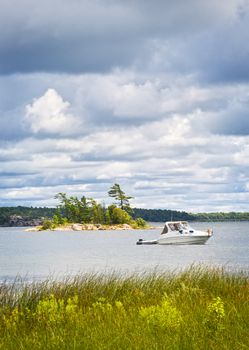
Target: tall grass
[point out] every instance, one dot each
(194, 309)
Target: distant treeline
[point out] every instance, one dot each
(152, 215)
(162, 215)
(231, 216)
(27, 212)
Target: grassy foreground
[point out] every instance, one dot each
(194, 309)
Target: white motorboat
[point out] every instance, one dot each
(180, 232)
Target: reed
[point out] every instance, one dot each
(198, 308)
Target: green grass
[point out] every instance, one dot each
(195, 309)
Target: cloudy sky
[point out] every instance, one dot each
(153, 95)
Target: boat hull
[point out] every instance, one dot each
(183, 240)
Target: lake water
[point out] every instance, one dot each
(38, 255)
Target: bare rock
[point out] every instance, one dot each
(18, 220)
(77, 227)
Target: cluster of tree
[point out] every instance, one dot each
(88, 210)
(231, 216)
(162, 215)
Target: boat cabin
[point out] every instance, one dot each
(179, 226)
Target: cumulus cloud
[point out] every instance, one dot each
(50, 114)
(163, 163)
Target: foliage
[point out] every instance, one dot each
(67, 212)
(141, 223)
(230, 216)
(162, 215)
(123, 200)
(215, 315)
(119, 216)
(74, 209)
(162, 316)
(194, 309)
(56, 220)
(88, 210)
(52, 311)
(47, 224)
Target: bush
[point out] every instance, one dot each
(163, 316)
(215, 315)
(141, 223)
(119, 216)
(64, 221)
(56, 220)
(47, 225)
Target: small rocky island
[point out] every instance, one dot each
(85, 213)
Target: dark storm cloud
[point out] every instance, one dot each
(231, 124)
(93, 36)
(82, 36)
(232, 120)
(71, 56)
(221, 54)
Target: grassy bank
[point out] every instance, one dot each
(195, 309)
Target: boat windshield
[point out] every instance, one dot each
(177, 226)
(165, 230)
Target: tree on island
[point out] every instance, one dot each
(116, 192)
(77, 210)
(87, 210)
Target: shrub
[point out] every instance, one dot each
(64, 221)
(52, 310)
(119, 216)
(215, 315)
(162, 316)
(56, 220)
(47, 225)
(141, 223)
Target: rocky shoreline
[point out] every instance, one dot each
(85, 227)
(22, 221)
(35, 225)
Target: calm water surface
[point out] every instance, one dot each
(38, 255)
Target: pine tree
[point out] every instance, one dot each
(116, 192)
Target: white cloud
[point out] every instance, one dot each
(50, 114)
(127, 96)
(165, 163)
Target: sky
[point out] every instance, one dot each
(153, 95)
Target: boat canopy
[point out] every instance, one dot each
(175, 226)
